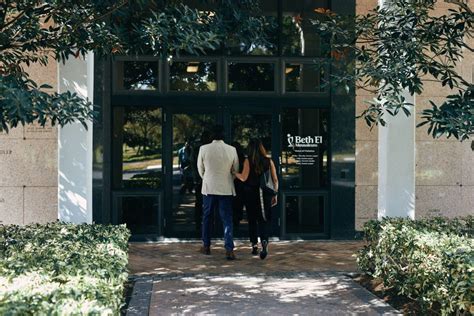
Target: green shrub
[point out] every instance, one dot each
(429, 260)
(62, 269)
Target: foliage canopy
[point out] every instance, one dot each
(36, 31)
(390, 51)
(396, 49)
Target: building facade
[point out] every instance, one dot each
(135, 165)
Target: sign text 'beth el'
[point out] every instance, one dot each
(307, 141)
(305, 148)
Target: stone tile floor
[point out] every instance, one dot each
(297, 278)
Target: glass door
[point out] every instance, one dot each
(188, 131)
(305, 169)
(245, 124)
(137, 184)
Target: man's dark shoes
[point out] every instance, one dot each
(264, 252)
(230, 255)
(254, 250)
(205, 250)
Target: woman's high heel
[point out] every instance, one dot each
(264, 252)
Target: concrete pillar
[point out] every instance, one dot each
(396, 169)
(75, 146)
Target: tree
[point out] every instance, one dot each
(37, 31)
(142, 130)
(397, 48)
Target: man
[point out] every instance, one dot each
(217, 163)
(184, 162)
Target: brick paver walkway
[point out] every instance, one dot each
(297, 278)
(284, 256)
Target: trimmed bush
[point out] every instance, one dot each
(429, 260)
(62, 269)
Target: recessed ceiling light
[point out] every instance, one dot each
(289, 69)
(192, 67)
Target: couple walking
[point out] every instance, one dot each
(218, 165)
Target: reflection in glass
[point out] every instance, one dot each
(140, 213)
(304, 157)
(193, 76)
(187, 199)
(304, 214)
(304, 78)
(137, 136)
(299, 36)
(268, 45)
(137, 75)
(248, 126)
(251, 76)
(203, 7)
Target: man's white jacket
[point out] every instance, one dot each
(217, 163)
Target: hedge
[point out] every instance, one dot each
(62, 269)
(428, 260)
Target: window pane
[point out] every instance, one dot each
(268, 46)
(299, 36)
(137, 75)
(140, 213)
(304, 78)
(251, 77)
(248, 126)
(304, 214)
(138, 150)
(193, 76)
(304, 159)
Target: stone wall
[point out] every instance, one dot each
(29, 166)
(444, 167)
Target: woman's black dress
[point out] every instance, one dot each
(257, 223)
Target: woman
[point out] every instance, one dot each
(255, 165)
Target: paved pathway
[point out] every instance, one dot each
(297, 278)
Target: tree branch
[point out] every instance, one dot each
(12, 21)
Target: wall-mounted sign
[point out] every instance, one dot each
(39, 129)
(305, 148)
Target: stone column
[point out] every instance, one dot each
(396, 167)
(75, 146)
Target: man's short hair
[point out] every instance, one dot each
(205, 137)
(218, 132)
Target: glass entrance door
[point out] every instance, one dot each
(246, 124)
(305, 169)
(137, 183)
(188, 132)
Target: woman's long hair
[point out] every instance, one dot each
(240, 154)
(256, 154)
